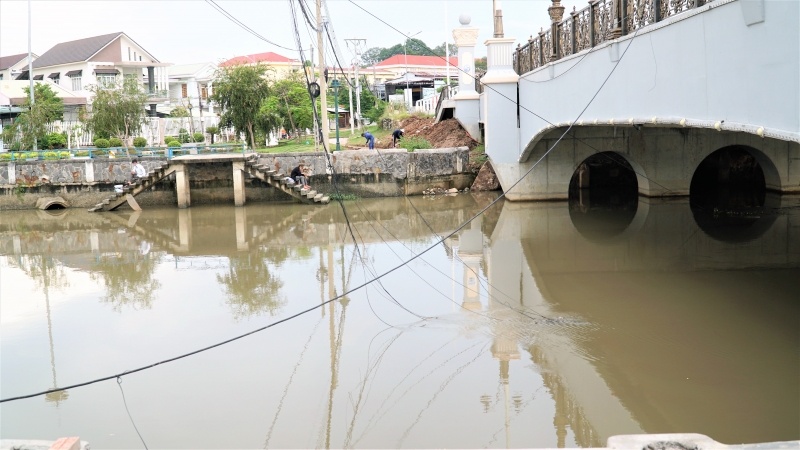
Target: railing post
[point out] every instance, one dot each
(530, 52)
(541, 47)
(657, 10)
(592, 22)
(556, 12)
(618, 19)
(517, 65)
(574, 15)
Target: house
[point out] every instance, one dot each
(12, 65)
(192, 84)
(100, 60)
(425, 66)
(279, 63)
(12, 95)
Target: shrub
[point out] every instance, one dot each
(115, 142)
(50, 155)
(140, 142)
(199, 137)
(55, 140)
(183, 136)
(414, 143)
(101, 135)
(15, 146)
(82, 153)
(173, 144)
(212, 130)
(5, 156)
(63, 155)
(32, 155)
(101, 143)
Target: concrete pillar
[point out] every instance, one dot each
(17, 245)
(89, 172)
(12, 173)
(467, 100)
(501, 123)
(238, 183)
(182, 186)
(241, 229)
(184, 229)
(94, 241)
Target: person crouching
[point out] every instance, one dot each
(299, 175)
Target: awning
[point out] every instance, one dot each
(54, 75)
(38, 77)
(22, 76)
(74, 73)
(106, 71)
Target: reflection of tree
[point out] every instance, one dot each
(250, 285)
(46, 272)
(128, 279)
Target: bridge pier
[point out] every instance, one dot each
(182, 186)
(238, 183)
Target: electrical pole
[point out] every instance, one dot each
(356, 46)
(350, 95)
(30, 63)
(323, 84)
(446, 46)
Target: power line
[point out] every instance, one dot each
(245, 27)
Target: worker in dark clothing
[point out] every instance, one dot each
(299, 176)
(370, 139)
(396, 136)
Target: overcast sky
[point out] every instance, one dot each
(191, 31)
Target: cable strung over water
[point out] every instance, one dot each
(362, 285)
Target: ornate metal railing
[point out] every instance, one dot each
(478, 75)
(601, 21)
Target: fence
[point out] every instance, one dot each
(119, 152)
(601, 21)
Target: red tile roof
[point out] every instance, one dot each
(266, 57)
(415, 60)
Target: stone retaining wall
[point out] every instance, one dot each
(366, 173)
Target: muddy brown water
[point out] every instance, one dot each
(537, 325)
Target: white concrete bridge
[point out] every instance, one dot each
(690, 77)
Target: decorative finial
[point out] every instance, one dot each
(465, 19)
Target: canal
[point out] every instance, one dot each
(544, 324)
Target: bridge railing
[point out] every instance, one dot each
(120, 152)
(601, 21)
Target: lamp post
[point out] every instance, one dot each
(335, 85)
(191, 119)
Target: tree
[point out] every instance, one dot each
(240, 91)
(118, 111)
(32, 123)
(375, 55)
(480, 64)
(292, 104)
(439, 50)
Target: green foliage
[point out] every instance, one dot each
(31, 124)
(32, 155)
(179, 111)
(290, 104)
(212, 130)
(140, 142)
(344, 197)
(101, 134)
(64, 155)
(50, 155)
(439, 50)
(413, 47)
(115, 142)
(118, 112)
(173, 144)
(240, 92)
(183, 136)
(53, 140)
(199, 137)
(5, 156)
(414, 143)
(101, 143)
(82, 153)
(480, 64)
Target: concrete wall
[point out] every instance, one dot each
(708, 66)
(86, 182)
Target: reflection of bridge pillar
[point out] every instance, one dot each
(241, 229)
(17, 245)
(184, 229)
(238, 183)
(470, 252)
(182, 186)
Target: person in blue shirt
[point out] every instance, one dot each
(370, 139)
(396, 136)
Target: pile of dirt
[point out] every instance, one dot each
(445, 134)
(486, 179)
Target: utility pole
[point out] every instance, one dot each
(350, 95)
(30, 63)
(357, 46)
(323, 84)
(446, 46)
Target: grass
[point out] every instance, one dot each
(344, 197)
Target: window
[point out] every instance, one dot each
(204, 91)
(184, 92)
(129, 54)
(106, 81)
(134, 56)
(76, 83)
(1, 76)
(140, 58)
(55, 80)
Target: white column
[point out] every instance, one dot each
(467, 99)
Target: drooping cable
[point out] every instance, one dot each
(243, 26)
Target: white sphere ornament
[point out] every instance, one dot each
(465, 19)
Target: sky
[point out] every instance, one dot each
(191, 31)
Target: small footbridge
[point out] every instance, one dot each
(242, 165)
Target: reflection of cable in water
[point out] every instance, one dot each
(289, 383)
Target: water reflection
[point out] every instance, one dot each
(543, 325)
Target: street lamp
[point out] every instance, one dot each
(335, 85)
(191, 119)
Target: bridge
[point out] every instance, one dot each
(241, 164)
(660, 86)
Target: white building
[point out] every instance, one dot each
(191, 84)
(100, 60)
(11, 66)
